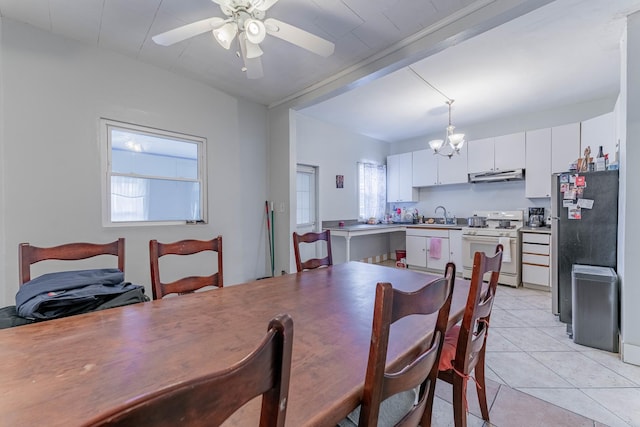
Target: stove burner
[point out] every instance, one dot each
(479, 226)
(507, 227)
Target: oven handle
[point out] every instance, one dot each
(483, 239)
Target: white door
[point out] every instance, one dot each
(307, 209)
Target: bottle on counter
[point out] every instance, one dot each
(601, 162)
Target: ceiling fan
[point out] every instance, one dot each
(246, 20)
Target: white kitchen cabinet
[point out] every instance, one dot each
(425, 168)
(538, 164)
(509, 152)
(480, 155)
(400, 178)
(419, 241)
(432, 169)
(455, 249)
(502, 153)
(548, 151)
(599, 131)
(536, 257)
(565, 146)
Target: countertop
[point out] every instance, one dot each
(542, 230)
(383, 227)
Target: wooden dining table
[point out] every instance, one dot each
(65, 371)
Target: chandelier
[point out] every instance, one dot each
(452, 142)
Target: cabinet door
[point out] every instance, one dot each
(416, 251)
(455, 249)
(393, 178)
(453, 170)
(509, 152)
(480, 155)
(565, 146)
(437, 261)
(425, 168)
(599, 131)
(538, 164)
(406, 192)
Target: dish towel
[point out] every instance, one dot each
(506, 252)
(435, 248)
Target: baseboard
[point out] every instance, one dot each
(377, 259)
(631, 354)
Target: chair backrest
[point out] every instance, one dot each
(28, 254)
(209, 400)
(475, 323)
(312, 237)
(392, 305)
(187, 284)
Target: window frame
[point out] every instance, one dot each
(105, 125)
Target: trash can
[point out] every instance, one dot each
(400, 253)
(595, 306)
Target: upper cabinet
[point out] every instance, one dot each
(400, 178)
(599, 131)
(550, 150)
(501, 153)
(538, 164)
(565, 146)
(432, 169)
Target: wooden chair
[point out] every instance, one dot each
(186, 284)
(465, 344)
(209, 400)
(312, 237)
(28, 254)
(389, 398)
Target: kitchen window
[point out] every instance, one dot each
(372, 191)
(151, 176)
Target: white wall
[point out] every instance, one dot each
(630, 197)
(336, 152)
(55, 90)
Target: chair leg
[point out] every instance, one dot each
(459, 399)
(481, 387)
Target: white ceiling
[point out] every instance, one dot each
(564, 52)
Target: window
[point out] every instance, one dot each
(372, 191)
(152, 176)
(305, 195)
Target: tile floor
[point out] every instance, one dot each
(537, 376)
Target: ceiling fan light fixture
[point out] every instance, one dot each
(255, 30)
(225, 34)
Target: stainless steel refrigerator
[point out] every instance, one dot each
(588, 235)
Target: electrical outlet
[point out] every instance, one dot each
(281, 207)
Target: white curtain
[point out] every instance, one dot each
(372, 190)
(129, 199)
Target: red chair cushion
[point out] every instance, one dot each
(449, 348)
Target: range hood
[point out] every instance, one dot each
(511, 175)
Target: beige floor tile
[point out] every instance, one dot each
(505, 319)
(519, 370)
(581, 371)
(442, 415)
(514, 408)
(509, 302)
(497, 342)
(613, 362)
(624, 402)
(531, 339)
(578, 402)
(535, 317)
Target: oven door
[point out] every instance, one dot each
(487, 244)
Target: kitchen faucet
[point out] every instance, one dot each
(445, 212)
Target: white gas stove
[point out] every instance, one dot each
(501, 228)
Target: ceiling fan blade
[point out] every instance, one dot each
(299, 37)
(187, 31)
(263, 5)
(252, 66)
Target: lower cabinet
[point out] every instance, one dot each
(536, 257)
(433, 248)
